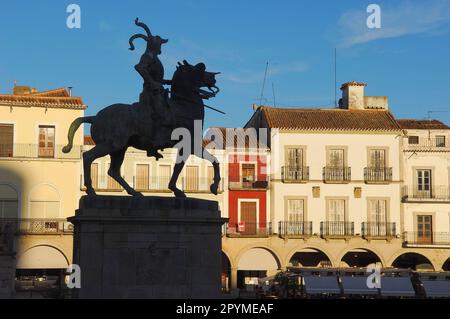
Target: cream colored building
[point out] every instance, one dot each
(333, 187)
(39, 185)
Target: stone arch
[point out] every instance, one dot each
(246, 248)
(411, 260)
(42, 257)
(9, 201)
(360, 257)
(307, 256)
(267, 255)
(446, 265)
(44, 201)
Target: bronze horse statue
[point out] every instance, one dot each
(119, 126)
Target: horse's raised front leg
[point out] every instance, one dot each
(176, 173)
(97, 151)
(209, 157)
(114, 171)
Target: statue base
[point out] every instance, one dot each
(150, 247)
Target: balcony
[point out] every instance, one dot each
(102, 183)
(423, 144)
(35, 226)
(199, 185)
(248, 183)
(378, 230)
(378, 174)
(337, 229)
(246, 229)
(336, 174)
(433, 193)
(291, 174)
(34, 151)
(426, 238)
(294, 229)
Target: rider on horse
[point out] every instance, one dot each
(154, 95)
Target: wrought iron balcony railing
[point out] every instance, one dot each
(374, 229)
(247, 182)
(291, 174)
(429, 192)
(248, 229)
(198, 185)
(426, 238)
(289, 228)
(340, 229)
(377, 174)
(415, 143)
(103, 183)
(43, 226)
(336, 174)
(18, 150)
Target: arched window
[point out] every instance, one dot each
(44, 203)
(9, 205)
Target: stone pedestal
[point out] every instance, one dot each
(7, 273)
(151, 247)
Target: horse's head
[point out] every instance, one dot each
(195, 76)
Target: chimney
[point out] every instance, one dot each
(69, 88)
(352, 96)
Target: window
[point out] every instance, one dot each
(440, 141)
(295, 210)
(164, 173)
(336, 158)
(44, 209)
(336, 210)
(413, 140)
(142, 176)
(6, 140)
(377, 210)
(377, 158)
(191, 179)
(248, 174)
(8, 208)
(46, 141)
(94, 175)
(294, 158)
(112, 183)
(424, 180)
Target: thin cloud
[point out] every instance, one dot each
(404, 19)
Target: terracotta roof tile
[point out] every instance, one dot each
(233, 138)
(88, 140)
(329, 119)
(37, 100)
(61, 92)
(422, 124)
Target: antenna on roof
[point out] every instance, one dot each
(264, 83)
(273, 93)
(335, 79)
(431, 112)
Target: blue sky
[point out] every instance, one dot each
(407, 59)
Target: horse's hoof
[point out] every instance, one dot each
(91, 192)
(137, 194)
(179, 194)
(213, 188)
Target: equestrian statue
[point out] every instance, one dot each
(148, 124)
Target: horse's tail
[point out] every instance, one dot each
(73, 128)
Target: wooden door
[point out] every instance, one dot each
(6, 140)
(94, 175)
(191, 179)
(248, 218)
(424, 229)
(142, 177)
(46, 141)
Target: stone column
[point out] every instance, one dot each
(151, 247)
(234, 278)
